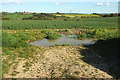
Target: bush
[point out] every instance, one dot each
(53, 36)
(82, 35)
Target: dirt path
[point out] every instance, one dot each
(65, 62)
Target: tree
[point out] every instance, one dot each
(57, 12)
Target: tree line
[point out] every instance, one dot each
(108, 15)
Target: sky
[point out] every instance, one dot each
(63, 6)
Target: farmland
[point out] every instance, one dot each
(74, 61)
(15, 16)
(78, 15)
(84, 23)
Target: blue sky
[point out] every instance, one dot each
(64, 6)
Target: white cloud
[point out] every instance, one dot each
(13, 2)
(8, 3)
(56, 3)
(107, 4)
(99, 4)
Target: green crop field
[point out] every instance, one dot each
(84, 23)
(14, 16)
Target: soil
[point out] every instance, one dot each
(63, 62)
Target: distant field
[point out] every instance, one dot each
(17, 16)
(84, 23)
(78, 15)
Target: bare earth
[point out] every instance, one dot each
(62, 62)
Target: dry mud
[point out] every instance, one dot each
(62, 62)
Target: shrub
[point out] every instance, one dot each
(82, 35)
(53, 36)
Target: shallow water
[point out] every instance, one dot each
(71, 40)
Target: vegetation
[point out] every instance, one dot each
(90, 23)
(15, 16)
(21, 28)
(79, 15)
(100, 34)
(13, 40)
(53, 36)
(107, 15)
(15, 45)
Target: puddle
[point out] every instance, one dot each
(71, 40)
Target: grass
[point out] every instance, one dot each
(15, 42)
(85, 23)
(100, 34)
(12, 51)
(17, 16)
(53, 36)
